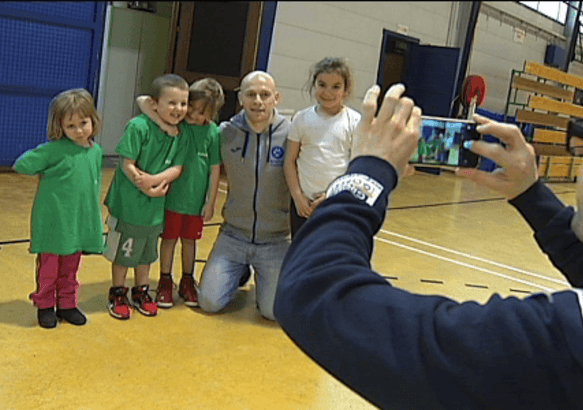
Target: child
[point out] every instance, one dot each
(190, 201)
(320, 139)
(149, 161)
(66, 214)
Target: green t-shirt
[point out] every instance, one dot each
(187, 194)
(154, 152)
(66, 213)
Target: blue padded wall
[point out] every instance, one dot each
(46, 48)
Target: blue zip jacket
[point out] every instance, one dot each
(405, 351)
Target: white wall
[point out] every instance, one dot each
(134, 56)
(306, 32)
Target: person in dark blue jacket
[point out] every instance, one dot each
(401, 350)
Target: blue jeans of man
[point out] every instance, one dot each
(228, 262)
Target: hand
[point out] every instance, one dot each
(143, 180)
(319, 199)
(391, 135)
(519, 170)
(171, 130)
(157, 191)
(208, 212)
(303, 208)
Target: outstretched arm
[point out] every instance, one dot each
(145, 105)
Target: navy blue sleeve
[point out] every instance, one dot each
(405, 351)
(550, 220)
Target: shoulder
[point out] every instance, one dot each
(141, 123)
(352, 113)
(304, 113)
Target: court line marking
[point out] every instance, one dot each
(477, 258)
(466, 265)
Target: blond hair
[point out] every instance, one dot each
(68, 103)
(211, 92)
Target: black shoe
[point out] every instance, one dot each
(246, 276)
(47, 318)
(73, 316)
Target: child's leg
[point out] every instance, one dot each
(142, 275)
(47, 268)
(167, 247)
(188, 255)
(118, 273)
(67, 283)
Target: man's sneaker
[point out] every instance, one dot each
(118, 303)
(164, 297)
(73, 316)
(187, 291)
(143, 301)
(47, 318)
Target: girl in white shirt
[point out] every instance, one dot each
(320, 138)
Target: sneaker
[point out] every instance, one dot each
(73, 316)
(143, 301)
(187, 291)
(47, 318)
(118, 303)
(164, 297)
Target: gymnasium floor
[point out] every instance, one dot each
(443, 235)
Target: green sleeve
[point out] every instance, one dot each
(215, 146)
(34, 161)
(130, 144)
(182, 147)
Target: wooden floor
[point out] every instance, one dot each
(443, 235)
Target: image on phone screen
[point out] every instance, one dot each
(441, 143)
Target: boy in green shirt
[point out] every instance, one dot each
(150, 160)
(190, 201)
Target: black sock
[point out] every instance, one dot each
(187, 275)
(165, 276)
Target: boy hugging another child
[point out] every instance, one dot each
(149, 161)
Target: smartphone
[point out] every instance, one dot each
(441, 143)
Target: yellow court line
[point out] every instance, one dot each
(466, 265)
(477, 258)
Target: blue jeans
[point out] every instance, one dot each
(228, 262)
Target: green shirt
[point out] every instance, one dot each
(154, 152)
(66, 213)
(187, 194)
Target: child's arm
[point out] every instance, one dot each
(209, 208)
(290, 169)
(145, 105)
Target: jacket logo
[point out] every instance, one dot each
(277, 152)
(236, 149)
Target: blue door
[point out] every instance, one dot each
(45, 48)
(430, 78)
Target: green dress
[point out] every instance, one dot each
(66, 213)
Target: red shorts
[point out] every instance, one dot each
(182, 226)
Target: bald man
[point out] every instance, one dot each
(256, 228)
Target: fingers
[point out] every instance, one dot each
(493, 151)
(390, 102)
(369, 104)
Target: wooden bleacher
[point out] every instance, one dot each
(549, 108)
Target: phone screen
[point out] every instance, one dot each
(441, 143)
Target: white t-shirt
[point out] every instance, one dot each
(325, 146)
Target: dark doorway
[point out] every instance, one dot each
(218, 40)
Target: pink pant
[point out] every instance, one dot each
(56, 281)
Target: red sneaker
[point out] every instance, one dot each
(187, 291)
(164, 297)
(143, 301)
(118, 303)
